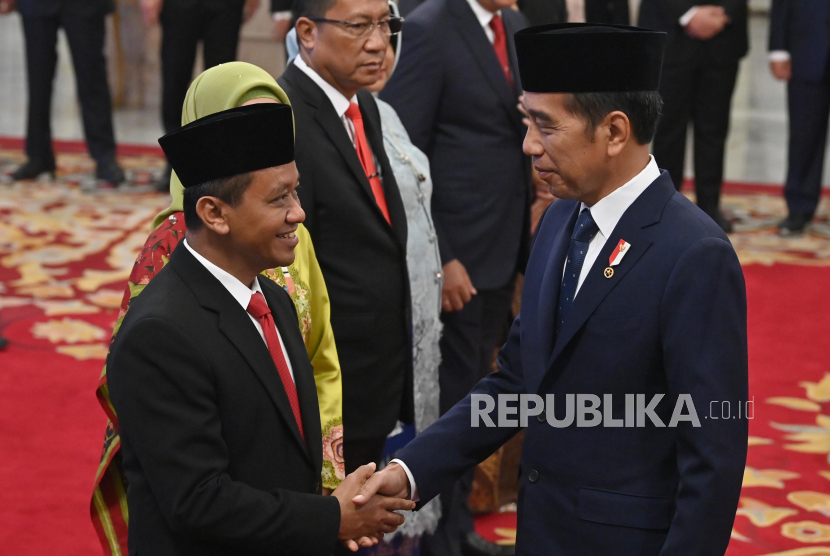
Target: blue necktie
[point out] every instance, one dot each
(584, 230)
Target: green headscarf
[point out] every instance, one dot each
(220, 88)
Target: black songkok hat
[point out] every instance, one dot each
(589, 58)
(231, 142)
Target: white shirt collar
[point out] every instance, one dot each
(338, 99)
(237, 289)
(608, 210)
(484, 16)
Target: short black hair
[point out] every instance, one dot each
(641, 107)
(229, 190)
(311, 8)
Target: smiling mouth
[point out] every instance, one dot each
(289, 235)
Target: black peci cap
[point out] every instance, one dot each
(589, 58)
(231, 142)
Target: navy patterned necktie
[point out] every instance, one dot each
(584, 230)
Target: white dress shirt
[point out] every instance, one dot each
(338, 100)
(484, 18)
(606, 213)
(242, 294)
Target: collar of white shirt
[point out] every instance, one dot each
(237, 289)
(338, 99)
(608, 210)
(484, 18)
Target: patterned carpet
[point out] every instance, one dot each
(64, 258)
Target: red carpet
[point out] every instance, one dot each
(64, 257)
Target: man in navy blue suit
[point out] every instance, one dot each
(799, 44)
(634, 308)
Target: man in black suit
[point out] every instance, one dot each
(354, 212)
(799, 44)
(84, 25)
(215, 394)
(456, 90)
(705, 44)
(186, 23)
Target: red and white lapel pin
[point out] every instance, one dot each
(616, 257)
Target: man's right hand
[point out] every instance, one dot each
(150, 10)
(7, 6)
(707, 22)
(458, 289)
(364, 524)
(782, 70)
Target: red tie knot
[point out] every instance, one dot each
(258, 307)
(496, 25)
(353, 112)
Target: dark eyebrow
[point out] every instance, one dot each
(541, 116)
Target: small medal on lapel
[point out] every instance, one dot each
(616, 257)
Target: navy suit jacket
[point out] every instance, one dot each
(802, 28)
(455, 101)
(671, 320)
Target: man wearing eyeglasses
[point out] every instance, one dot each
(354, 212)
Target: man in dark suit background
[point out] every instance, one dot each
(799, 44)
(631, 293)
(215, 394)
(184, 24)
(456, 91)
(598, 11)
(704, 45)
(354, 212)
(83, 21)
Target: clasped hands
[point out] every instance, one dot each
(707, 22)
(368, 502)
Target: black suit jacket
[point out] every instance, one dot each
(542, 12)
(363, 258)
(802, 28)
(454, 100)
(45, 8)
(729, 46)
(212, 452)
(607, 11)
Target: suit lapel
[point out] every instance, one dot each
(646, 210)
(511, 27)
(237, 327)
(286, 321)
(483, 52)
(374, 135)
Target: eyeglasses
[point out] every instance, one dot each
(361, 30)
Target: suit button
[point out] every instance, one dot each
(541, 417)
(533, 476)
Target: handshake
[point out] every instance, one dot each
(368, 502)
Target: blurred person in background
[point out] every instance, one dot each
(221, 88)
(184, 24)
(704, 45)
(83, 21)
(456, 90)
(799, 45)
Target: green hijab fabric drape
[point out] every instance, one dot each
(220, 88)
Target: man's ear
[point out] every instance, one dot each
(618, 127)
(214, 214)
(306, 32)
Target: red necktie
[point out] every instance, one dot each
(258, 309)
(364, 153)
(500, 44)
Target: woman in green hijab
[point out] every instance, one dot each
(221, 88)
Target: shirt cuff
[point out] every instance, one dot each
(779, 56)
(687, 17)
(282, 16)
(413, 488)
